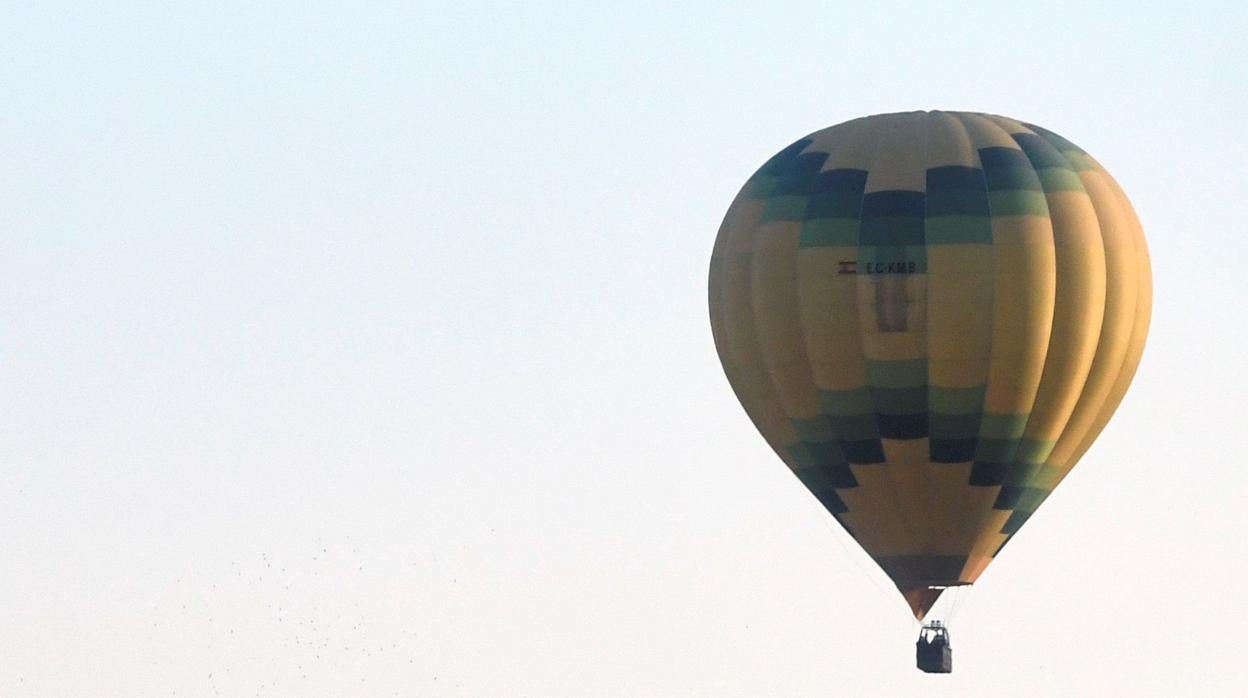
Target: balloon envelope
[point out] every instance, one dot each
(929, 316)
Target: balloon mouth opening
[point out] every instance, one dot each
(921, 598)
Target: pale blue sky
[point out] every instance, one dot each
(362, 349)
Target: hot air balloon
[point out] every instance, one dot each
(930, 316)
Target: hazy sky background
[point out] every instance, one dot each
(362, 349)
